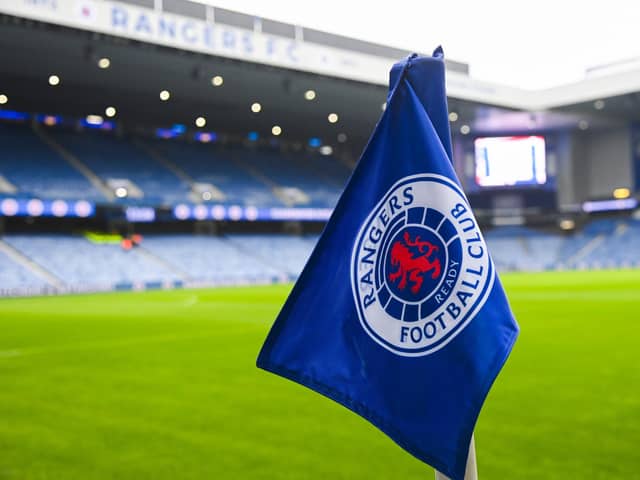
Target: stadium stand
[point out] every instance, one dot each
(283, 172)
(54, 163)
(77, 262)
(114, 159)
(213, 260)
(164, 172)
(199, 260)
(38, 171)
(163, 260)
(616, 244)
(298, 250)
(573, 254)
(216, 166)
(258, 176)
(517, 248)
(14, 278)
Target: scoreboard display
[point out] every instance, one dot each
(510, 161)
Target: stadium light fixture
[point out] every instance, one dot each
(54, 80)
(621, 193)
(94, 120)
(598, 104)
(332, 117)
(110, 112)
(583, 125)
(3, 99)
(567, 224)
(276, 130)
(310, 95)
(206, 137)
(326, 150)
(342, 137)
(201, 122)
(256, 107)
(104, 63)
(217, 81)
(465, 129)
(165, 95)
(453, 116)
(121, 192)
(50, 120)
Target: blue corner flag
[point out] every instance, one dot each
(399, 314)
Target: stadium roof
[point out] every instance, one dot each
(140, 68)
(532, 46)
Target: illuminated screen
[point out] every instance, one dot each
(508, 161)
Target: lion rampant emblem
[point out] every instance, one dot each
(410, 268)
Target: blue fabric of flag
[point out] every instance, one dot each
(398, 314)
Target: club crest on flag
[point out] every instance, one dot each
(420, 269)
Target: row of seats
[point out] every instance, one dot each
(14, 277)
(110, 157)
(605, 243)
(617, 248)
(79, 263)
(163, 170)
(37, 170)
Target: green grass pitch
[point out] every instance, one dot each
(163, 385)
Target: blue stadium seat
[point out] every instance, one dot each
(16, 279)
(521, 248)
(291, 170)
(619, 249)
(79, 262)
(248, 176)
(110, 157)
(265, 258)
(37, 170)
(287, 253)
(212, 260)
(215, 165)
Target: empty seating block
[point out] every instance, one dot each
(110, 157)
(285, 252)
(78, 262)
(215, 165)
(14, 277)
(212, 259)
(37, 170)
(291, 170)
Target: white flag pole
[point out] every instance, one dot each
(472, 466)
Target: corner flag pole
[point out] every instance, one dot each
(472, 466)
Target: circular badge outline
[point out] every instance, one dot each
(471, 313)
